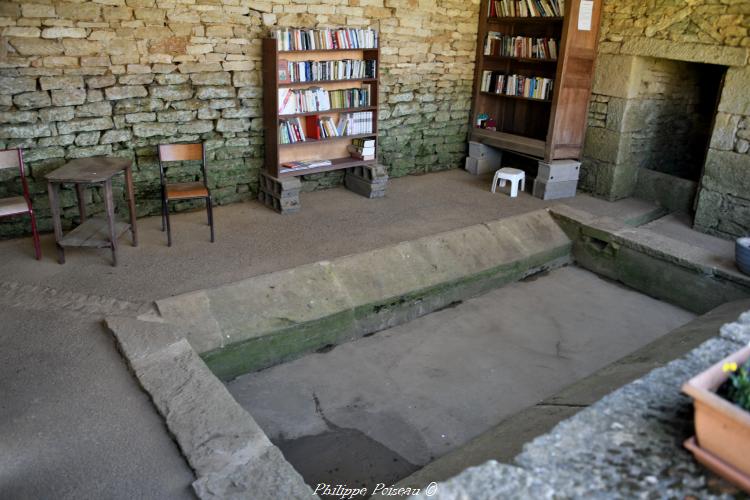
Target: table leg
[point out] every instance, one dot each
(53, 189)
(81, 192)
(131, 204)
(109, 207)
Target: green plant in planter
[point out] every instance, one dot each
(737, 388)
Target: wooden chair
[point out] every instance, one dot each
(183, 190)
(16, 205)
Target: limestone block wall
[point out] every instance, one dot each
(117, 77)
(633, 35)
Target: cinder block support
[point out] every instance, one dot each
(557, 179)
(281, 195)
(369, 181)
(483, 159)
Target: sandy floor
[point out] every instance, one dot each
(379, 407)
(252, 240)
(73, 422)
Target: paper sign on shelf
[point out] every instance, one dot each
(585, 13)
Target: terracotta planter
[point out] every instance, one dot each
(722, 429)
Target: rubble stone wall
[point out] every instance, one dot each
(118, 77)
(633, 35)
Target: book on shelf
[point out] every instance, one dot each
(283, 67)
(312, 126)
(303, 165)
(287, 102)
(291, 131)
(328, 128)
(356, 123)
(314, 99)
(531, 87)
(526, 8)
(363, 154)
(325, 39)
(498, 44)
(340, 69)
(316, 127)
(363, 143)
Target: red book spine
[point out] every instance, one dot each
(312, 126)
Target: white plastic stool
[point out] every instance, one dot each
(510, 174)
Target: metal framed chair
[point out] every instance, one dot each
(17, 205)
(183, 190)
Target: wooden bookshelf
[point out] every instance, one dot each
(549, 129)
(333, 148)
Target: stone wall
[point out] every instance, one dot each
(117, 77)
(633, 35)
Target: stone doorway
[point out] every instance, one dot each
(650, 129)
(672, 114)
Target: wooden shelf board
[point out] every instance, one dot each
(521, 59)
(322, 50)
(335, 110)
(538, 19)
(323, 82)
(510, 142)
(506, 96)
(13, 206)
(336, 164)
(328, 139)
(93, 233)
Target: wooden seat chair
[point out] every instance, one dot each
(17, 205)
(183, 190)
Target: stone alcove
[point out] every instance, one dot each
(667, 123)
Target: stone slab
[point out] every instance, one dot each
(685, 275)
(691, 52)
(504, 441)
(328, 301)
(489, 481)
(230, 454)
(626, 445)
(739, 331)
(673, 193)
(614, 75)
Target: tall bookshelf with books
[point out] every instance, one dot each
(320, 99)
(534, 71)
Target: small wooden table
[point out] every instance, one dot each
(95, 232)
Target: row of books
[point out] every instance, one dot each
(292, 131)
(316, 71)
(362, 149)
(526, 8)
(357, 123)
(498, 44)
(325, 39)
(532, 87)
(293, 101)
(322, 128)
